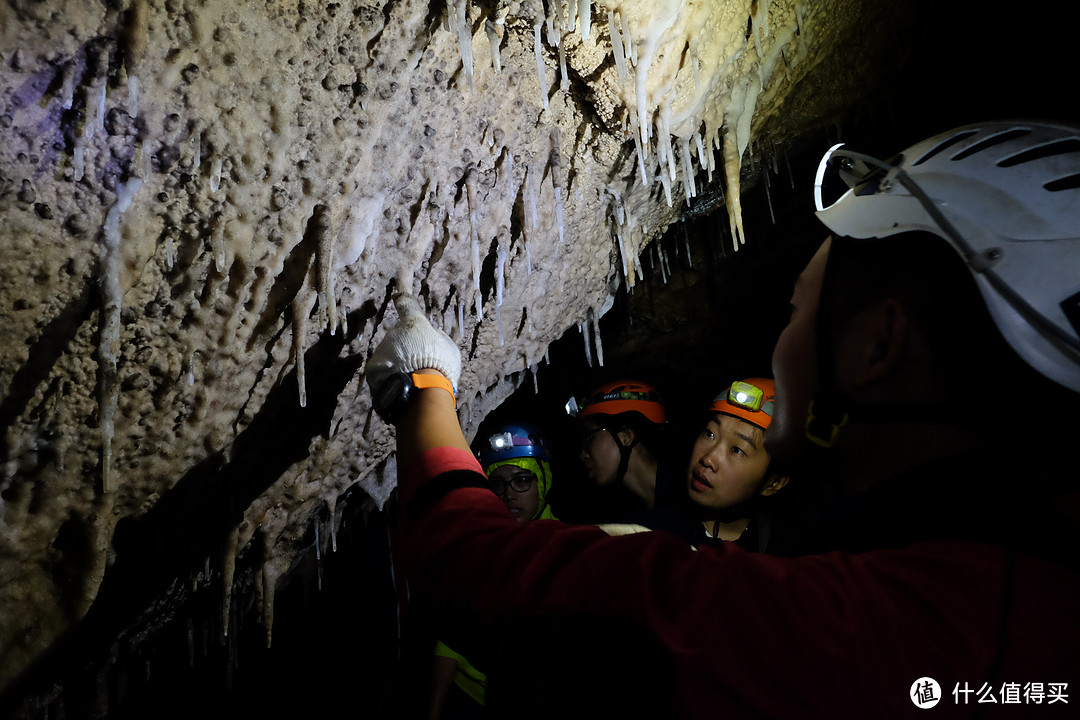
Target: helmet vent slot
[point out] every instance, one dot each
(1069, 182)
(990, 142)
(1061, 147)
(1071, 307)
(945, 145)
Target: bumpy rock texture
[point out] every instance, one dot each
(207, 206)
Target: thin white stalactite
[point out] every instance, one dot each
(540, 64)
(474, 241)
(228, 573)
(617, 50)
(109, 342)
(689, 188)
(133, 96)
(456, 10)
(215, 174)
(217, 244)
(585, 17)
(596, 338)
(564, 78)
(585, 329)
(299, 328)
(492, 33)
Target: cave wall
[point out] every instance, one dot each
(208, 205)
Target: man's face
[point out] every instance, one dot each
(794, 363)
(600, 453)
(727, 463)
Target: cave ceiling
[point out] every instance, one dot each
(208, 205)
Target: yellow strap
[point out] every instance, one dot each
(471, 681)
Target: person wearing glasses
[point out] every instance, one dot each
(930, 368)
(516, 461)
(622, 427)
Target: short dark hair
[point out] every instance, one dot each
(926, 273)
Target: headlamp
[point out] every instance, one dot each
(746, 396)
(506, 440)
(501, 441)
(572, 408)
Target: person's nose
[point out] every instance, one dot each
(708, 459)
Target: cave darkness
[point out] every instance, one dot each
(338, 642)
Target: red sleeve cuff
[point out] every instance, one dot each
(433, 463)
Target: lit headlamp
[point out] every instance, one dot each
(746, 396)
(572, 408)
(504, 440)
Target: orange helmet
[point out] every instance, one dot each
(623, 396)
(750, 400)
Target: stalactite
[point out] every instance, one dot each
(617, 50)
(324, 267)
(585, 17)
(474, 241)
(557, 180)
(530, 200)
(492, 32)
(734, 204)
(217, 244)
(594, 319)
(301, 308)
(500, 269)
(215, 174)
(540, 63)
(228, 574)
(133, 95)
(702, 161)
(688, 171)
(456, 10)
(564, 78)
(585, 329)
(109, 343)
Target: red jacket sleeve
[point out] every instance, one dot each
(749, 635)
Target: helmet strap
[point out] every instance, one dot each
(624, 454)
(541, 481)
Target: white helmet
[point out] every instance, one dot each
(1006, 196)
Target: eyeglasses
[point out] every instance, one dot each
(588, 436)
(519, 483)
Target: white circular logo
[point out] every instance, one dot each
(925, 692)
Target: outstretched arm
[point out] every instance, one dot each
(427, 425)
(428, 422)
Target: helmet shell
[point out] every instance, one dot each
(761, 417)
(1011, 193)
(523, 442)
(624, 396)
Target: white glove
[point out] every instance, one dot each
(413, 344)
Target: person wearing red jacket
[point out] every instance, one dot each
(930, 370)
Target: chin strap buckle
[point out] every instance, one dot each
(822, 430)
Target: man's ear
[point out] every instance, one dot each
(774, 485)
(626, 436)
(876, 343)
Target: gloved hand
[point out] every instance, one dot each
(412, 344)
